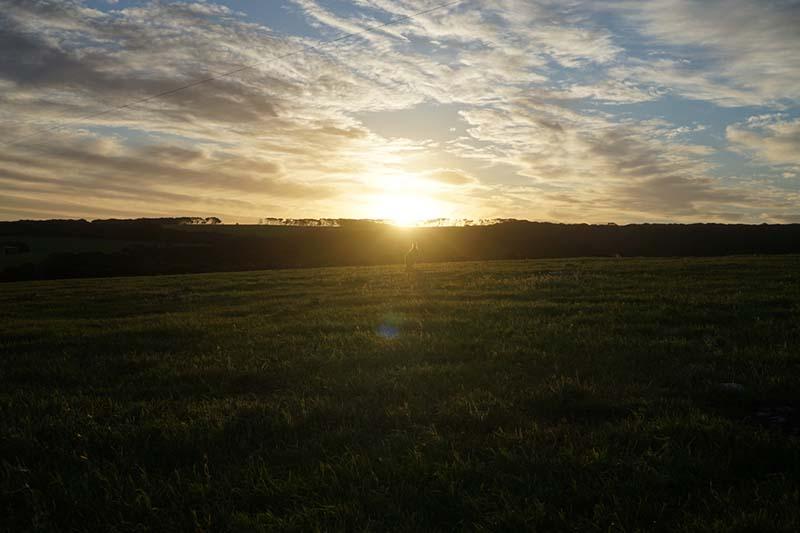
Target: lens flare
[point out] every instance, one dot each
(389, 328)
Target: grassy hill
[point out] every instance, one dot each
(587, 395)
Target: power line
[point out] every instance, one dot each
(169, 92)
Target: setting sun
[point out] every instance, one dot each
(405, 209)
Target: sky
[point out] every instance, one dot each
(565, 111)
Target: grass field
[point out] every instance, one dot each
(558, 395)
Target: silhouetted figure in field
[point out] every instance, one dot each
(412, 256)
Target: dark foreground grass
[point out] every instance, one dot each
(553, 395)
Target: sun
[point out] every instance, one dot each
(404, 198)
(405, 209)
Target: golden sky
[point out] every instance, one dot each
(583, 111)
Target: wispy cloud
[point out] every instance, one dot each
(768, 138)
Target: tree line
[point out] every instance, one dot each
(161, 246)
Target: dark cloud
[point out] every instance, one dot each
(674, 194)
(26, 60)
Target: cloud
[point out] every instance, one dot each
(271, 134)
(746, 49)
(668, 76)
(567, 35)
(451, 176)
(618, 91)
(676, 195)
(594, 168)
(776, 142)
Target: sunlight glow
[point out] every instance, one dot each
(405, 199)
(405, 209)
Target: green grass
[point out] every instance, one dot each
(577, 395)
